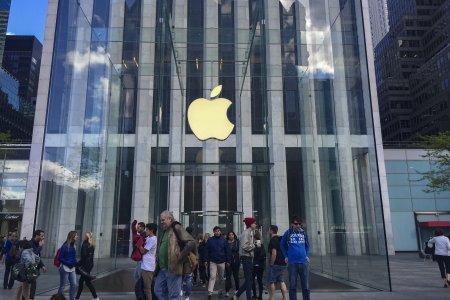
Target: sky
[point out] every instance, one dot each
(27, 17)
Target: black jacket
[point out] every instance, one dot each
(87, 257)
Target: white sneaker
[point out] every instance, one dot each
(96, 298)
(227, 294)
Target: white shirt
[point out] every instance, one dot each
(442, 245)
(148, 260)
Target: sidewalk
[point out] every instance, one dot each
(412, 278)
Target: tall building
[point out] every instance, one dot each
(412, 72)
(379, 20)
(5, 5)
(214, 110)
(22, 58)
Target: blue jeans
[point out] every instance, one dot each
(137, 271)
(167, 285)
(187, 284)
(296, 270)
(62, 282)
(247, 266)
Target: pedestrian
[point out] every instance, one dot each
(442, 247)
(173, 251)
(196, 274)
(148, 265)
(277, 265)
(86, 264)
(217, 257)
(295, 248)
(37, 242)
(246, 253)
(27, 258)
(233, 268)
(138, 240)
(203, 264)
(259, 262)
(68, 259)
(9, 259)
(188, 270)
(2, 244)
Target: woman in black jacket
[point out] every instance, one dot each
(259, 262)
(233, 268)
(86, 264)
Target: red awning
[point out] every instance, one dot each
(435, 224)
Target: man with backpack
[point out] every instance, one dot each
(37, 243)
(295, 248)
(9, 259)
(174, 248)
(277, 265)
(138, 241)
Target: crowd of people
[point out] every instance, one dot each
(169, 264)
(168, 267)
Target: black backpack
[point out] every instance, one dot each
(429, 250)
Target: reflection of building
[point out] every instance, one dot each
(379, 22)
(22, 58)
(13, 182)
(5, 5)
(415, 213)
(111, 125)
(412, 70)
(9, 86)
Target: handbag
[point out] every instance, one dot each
(19, 272)
(84, 273)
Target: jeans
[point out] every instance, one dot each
(62, 282)
(8, 280)
(137, 271)
(247, 266)
(167, 285)
(187, 284)
(258, 272)
(295, 270)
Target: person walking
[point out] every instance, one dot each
(295, 248)
(148, 265)
(188, 271)
(68, 259)
(442, 247)
(9, 259)
(233, 268)
(259, 262)
(27, 257)
(246, 253)
(277, 265)
(173, 251)
(86, 263)
(217, 256)
(37, 243)
(138, 239)
(203, 265)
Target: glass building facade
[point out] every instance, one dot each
(112, 142)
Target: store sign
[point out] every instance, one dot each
(12, 217)
(208, 118)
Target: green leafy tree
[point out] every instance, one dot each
(438, 152)
(4, 137)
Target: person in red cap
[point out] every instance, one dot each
(246, 252)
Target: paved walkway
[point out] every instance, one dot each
(412, 278)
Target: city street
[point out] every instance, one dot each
(412, 278)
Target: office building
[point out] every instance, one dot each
(214, 110)
(5, 6)
(412, 71)
(22, 59)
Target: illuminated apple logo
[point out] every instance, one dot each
(208, 118)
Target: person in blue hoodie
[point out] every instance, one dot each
(68, 260)
(217, 256)
(295, 248)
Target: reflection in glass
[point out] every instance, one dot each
(193, 186)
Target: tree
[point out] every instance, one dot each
(4, 137)
(438, 152)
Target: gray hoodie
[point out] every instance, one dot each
(247, 243)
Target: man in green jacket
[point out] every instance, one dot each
(174, 247)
